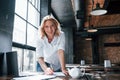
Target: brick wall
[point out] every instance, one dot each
(111, 52)
(83, 49)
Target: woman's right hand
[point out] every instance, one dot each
(49, 71)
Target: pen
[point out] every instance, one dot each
(51, 66)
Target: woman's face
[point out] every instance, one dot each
(49, 28)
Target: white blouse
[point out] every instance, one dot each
(49, 50)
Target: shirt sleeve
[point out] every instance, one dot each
(62, 42)
(39, 48)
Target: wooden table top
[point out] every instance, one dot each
(93, 76)
(95, 72)
(91, 68)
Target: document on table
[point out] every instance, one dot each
(39, 77)
(58, 74)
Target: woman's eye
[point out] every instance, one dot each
(46, 26)
(52, 25)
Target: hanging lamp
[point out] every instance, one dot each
(90, 28)
(98, 10)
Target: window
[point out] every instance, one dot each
(31, 35)
(19, 33)
(26, 23)
(21, 8)
(33, 15)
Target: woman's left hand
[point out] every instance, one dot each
(65, 72)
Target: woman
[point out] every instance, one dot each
(50, 46)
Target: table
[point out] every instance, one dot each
(93, 67)
(93, 72)
(99, 72)
(94, 76)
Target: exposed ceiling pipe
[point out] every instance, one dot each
(77, 5)
(63, 11)
(77, 8)
(80, 13)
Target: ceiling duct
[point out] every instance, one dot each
(63, 11)
(80, 13)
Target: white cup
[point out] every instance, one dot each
(107, 63)
(82, 62)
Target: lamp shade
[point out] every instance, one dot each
(98, 10)
(92, 30)
(88, 38)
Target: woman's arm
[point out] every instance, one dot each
(62, 61)
(46, 69)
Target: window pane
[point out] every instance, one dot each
(31, 35)
(21, 8)
(26, 59)
(29, 60)
(33, 2)
(37, 17)
(19, 31)
(30, 0)
(38, 5)
(33, 15)
(20, 58)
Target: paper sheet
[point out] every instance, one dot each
(58, 74)
(27, 73)
(39, 76)
(35, 77)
